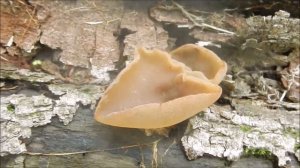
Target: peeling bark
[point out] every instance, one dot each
(11, 72)
(84, 32)
(144, 33)
(19, 25)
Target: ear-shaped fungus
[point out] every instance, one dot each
(156, 91)
(202, 60)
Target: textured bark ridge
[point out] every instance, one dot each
(20, 112)
(223, 132)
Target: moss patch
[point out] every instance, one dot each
(10, 108)
(292, 132)
(297, 146)
(258, 152)
(245, 128)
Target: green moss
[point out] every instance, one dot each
(245, 128)
(292, 132)
(297, 146)
(257, 152)
(36, 63)
(10, 108)
(86, 90)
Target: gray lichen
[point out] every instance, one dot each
(85, 94)
(28, 111)
(20, 112)
(10, 134)
(101, 74)
(71, 96)
(220, 132)
(278, 33)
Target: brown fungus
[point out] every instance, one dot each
(203, 60)
(156, 91)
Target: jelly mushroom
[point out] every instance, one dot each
(201, 60)
(155, 91)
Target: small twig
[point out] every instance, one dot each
(94, 22)
(4, 58)
(10, 88)
(275, 103)
(21, 2)
(230, 9)
(216, 28)
(142, 163)
(167, 150)
(113, 20)
(82, 8)
(154, 154)
(291, 79)
(28, 25)
(190, 17)
(93, 3)
(31, 17)
(84, 152)
(245, 95)
(257, 71)
(283, 95)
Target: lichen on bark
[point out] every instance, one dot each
(221, 131)
(20, 112)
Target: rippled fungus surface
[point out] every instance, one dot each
(160, 89)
